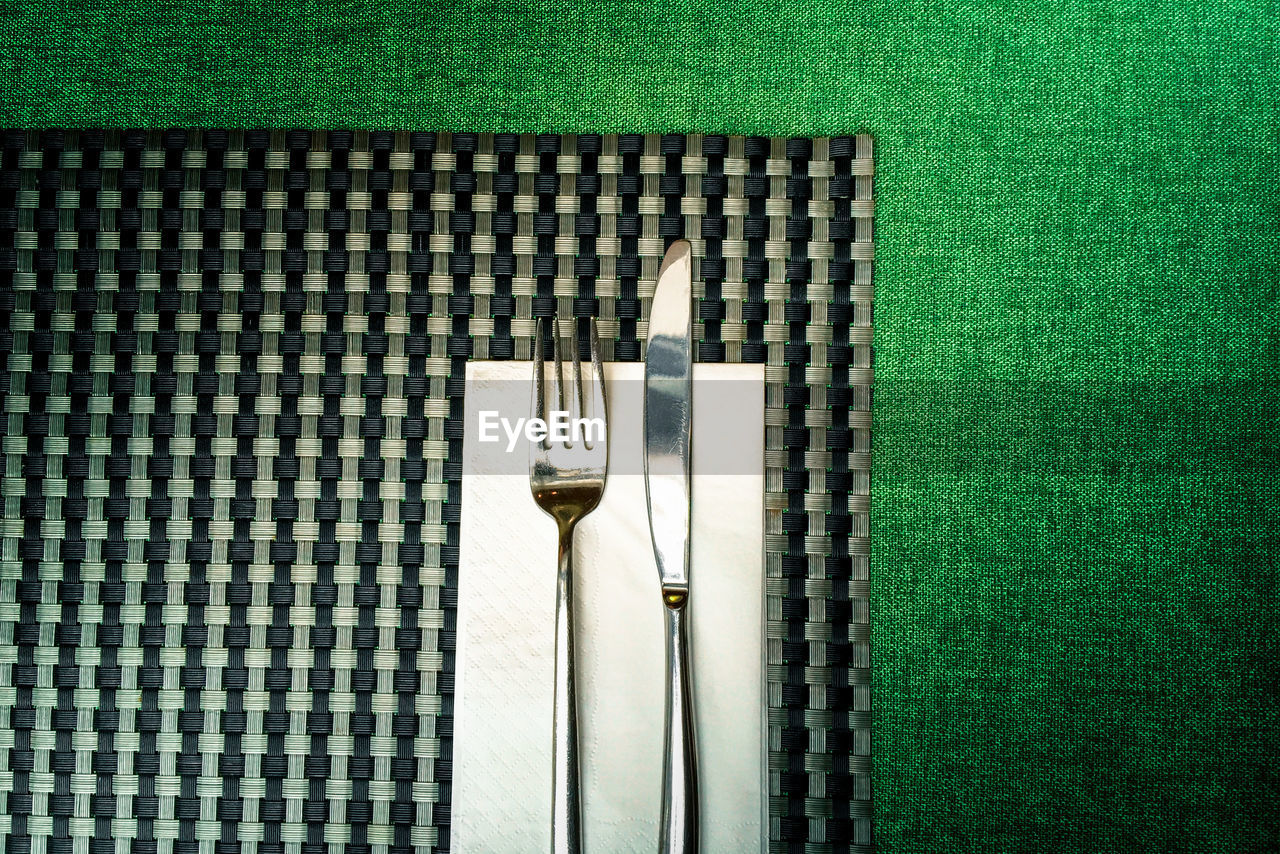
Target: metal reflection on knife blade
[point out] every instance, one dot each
(668, 417)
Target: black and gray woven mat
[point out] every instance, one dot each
(232, 414)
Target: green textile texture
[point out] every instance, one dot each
(1075, 517)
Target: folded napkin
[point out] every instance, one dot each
(506, 604)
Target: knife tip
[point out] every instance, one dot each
(679, 252)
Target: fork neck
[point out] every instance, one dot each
(568, 502)
(565, 528)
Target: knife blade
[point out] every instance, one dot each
(668, 421)
(668, 417)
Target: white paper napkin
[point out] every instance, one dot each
(506, 602)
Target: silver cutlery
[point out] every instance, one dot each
(668, 417)
(567, 480)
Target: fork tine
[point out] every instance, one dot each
(577, 400)
(597, 382)
(539, 368)
(557, 387)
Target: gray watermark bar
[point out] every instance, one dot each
(727, 439)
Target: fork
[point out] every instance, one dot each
(567, 481)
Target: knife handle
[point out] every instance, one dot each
(566, 825)
(679, 828)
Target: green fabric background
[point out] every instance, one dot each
(1074, 516)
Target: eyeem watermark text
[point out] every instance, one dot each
(560, 428)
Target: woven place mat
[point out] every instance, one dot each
(232, 437)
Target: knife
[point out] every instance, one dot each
(668, 417)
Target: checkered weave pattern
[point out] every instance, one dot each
(232, 415)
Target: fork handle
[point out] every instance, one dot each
(679, 827)
(566, 825)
